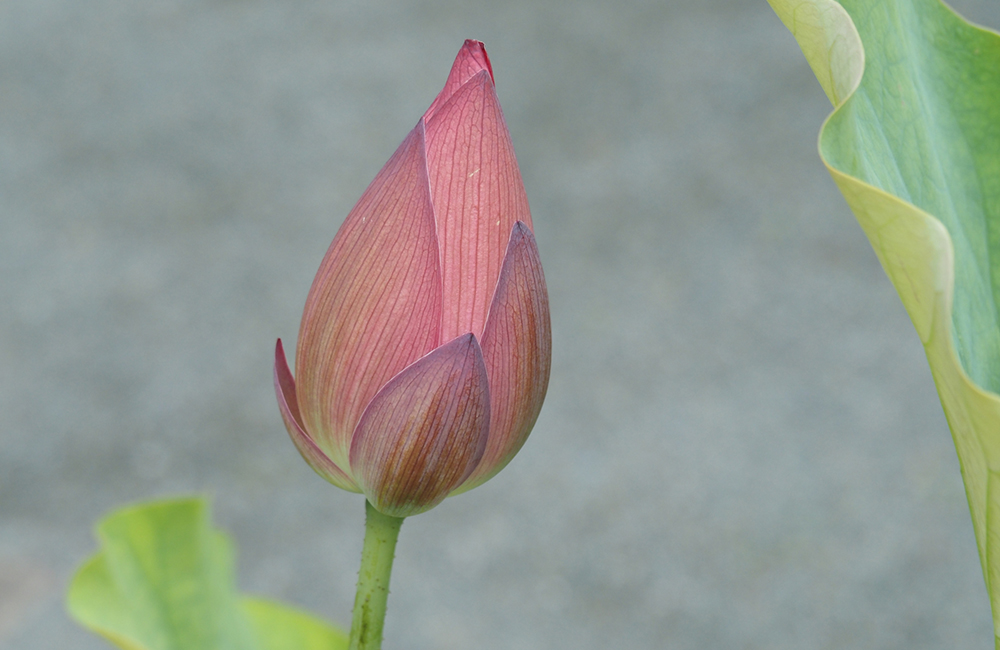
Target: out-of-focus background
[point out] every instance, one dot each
(741, 448)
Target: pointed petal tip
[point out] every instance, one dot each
(279, 354)
(316, 458)
(470, 62)
(517, 351)
(476, 50)
(284, 384)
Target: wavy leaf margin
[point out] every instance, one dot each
(914, 146)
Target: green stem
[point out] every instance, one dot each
(381, 532)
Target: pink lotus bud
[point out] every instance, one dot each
(425, 346)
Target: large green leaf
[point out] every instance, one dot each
(163, 580)
(914, 145)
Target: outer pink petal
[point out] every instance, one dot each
(478, 195)
(471, 59)
(517, 349)
(425, 431)
(375, 305)
(284, 386)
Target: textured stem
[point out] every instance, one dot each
(381, 532)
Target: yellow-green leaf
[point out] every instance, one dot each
(914, 146)
(163, 580)
(279, 627)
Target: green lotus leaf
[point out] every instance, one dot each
(163, 580)
(914, 146)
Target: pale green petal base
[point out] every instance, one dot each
(914, 146)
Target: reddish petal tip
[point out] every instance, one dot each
(470, 61)
(477, 51)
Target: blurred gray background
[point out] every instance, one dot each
(742, 446)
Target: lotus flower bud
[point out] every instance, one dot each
(425, 346)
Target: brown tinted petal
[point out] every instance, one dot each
(425, 431)
(375, 305)
(517, 350)
(284, 386)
